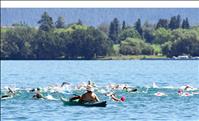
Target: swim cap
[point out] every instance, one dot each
(122, 98)
(180, 91)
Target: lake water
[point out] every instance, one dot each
(143, 105)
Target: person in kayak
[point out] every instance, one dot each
(91, 83)
(89, 96)
(38, 94)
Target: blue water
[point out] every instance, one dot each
(141, 105)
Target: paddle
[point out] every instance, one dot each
(74, 98)
(76, 95)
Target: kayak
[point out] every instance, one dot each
(77, 103)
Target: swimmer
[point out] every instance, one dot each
(122, 99)
(188, 88)
(10, 93)
(38, 94)
(127, 89)
(160, 94)
(113, 97)
(181, 93)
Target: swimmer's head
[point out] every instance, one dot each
(180, 91)
(123, 98)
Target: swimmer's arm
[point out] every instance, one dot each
(114, 98)
(42, 96)
(10, 91)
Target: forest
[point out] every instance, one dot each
(55, 40)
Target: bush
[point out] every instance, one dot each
(132, 46)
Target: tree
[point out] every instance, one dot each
(104, 28)
(185, 24)
(46, 45)
(88, 43)
(166, 48)
(17, 43)
(60, 22)
(138, 27)
(134, 46)
(79, 22)
(162, 23)
(114, 30)
(46, 22)
(185, 42)
(172, 24)
(148, 32)
(63, 40)
(123, 25)
(178, 24)
(161, 36)
(147, 50)
(175, 22)
(128, 33)
(3, 43)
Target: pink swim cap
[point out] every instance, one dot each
(180, 91)
(122, 98)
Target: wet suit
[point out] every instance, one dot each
(37, 95)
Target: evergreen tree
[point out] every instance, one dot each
(175, 22)
(172, 24)
(123, 25)
(46, 22)
(79, 22)
(60, 22)
(148, 32)
(138, 26)
(114, 30)
(162, 23)
(185, 24)
(178, 24)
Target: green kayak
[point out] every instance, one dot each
(77, 103)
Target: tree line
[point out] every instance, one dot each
(56, 40)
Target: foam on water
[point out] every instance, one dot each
(72, 89)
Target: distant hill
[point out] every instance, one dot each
(95, 16)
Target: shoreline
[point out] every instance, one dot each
(128, 57)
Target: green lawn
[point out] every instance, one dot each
(132, 57)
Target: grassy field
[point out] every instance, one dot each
(132, 57)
